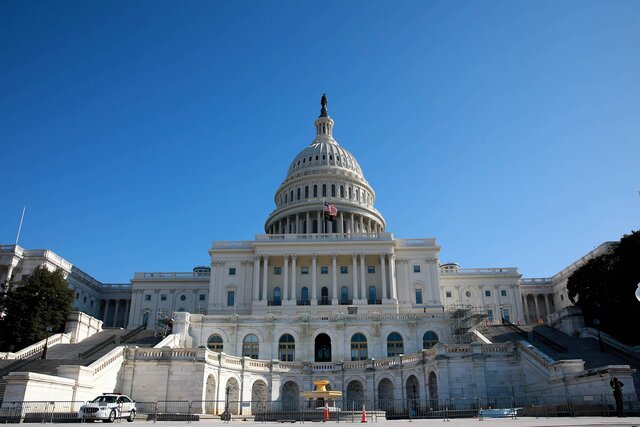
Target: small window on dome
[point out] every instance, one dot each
(315, 191)
(298, 162)
(324, 157)
(304, 160)
(330, 156)
(342, 191)
(324, 190)
(306, 192)
(337, 157)
(316, 157)
(310, 158)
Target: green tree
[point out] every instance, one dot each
(604, 289)
(40, 300)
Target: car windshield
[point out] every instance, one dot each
(105, 399)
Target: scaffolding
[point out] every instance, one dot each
(465, 318)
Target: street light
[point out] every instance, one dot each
(638, 292)
(596, 323)
(49, 328)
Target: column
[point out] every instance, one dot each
(363, 285)
(355, 278)
(314, 280)
(297, 223)
(256, 278)
(546, 303)
(535, 302)
(294, 292)
(383, 272)
(352, 224)
(526, 309)
(309, 225)
(341, 223)
(265, 279)
(392, 277)
(106, 311)
(335, 279)
(361, 224)
(115, 314)
(320, 230)
(285, 273)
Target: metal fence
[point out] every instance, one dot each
(338, 410)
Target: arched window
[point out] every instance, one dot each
(298, 193)
(349, 193)
(324, 296)
(250, 346)
(215, 343)
(342, 191)
(285, 198)
(304, 295)
(395, 345)
(315, 191)
(291, 196)
(344, 295)
(429, 339)
(418, 296)
(277, 296)
(286, 348)
(324, 190)
(357, 195)
(306, 192)
(372, 294)
(333, 190)
(359, 347)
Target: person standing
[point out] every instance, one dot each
(616, 386)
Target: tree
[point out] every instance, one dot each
(39, 301)
(604, 288)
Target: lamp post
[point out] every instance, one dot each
(49, 328)
(638, 292)
(226, 416)
(596, 323)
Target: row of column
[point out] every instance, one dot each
(290, 291)
(302, 223)
(113, 321)
(538, 316)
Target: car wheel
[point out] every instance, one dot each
(88, 421)
(112, 417)
(132, 416)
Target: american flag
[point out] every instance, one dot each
(330, 209)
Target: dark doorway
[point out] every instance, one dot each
(323, 348)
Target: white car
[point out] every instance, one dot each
(108, 408)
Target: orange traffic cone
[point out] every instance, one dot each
(364, 415)
(325, 415)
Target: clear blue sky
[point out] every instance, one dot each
(136, 133)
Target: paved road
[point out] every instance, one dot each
(459, 422)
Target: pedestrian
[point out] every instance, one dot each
(616, 385)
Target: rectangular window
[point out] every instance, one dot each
(416, 269)
(277, 271)
(324, 269)
(487, 293)
(304, 270)
(147, 297)
(448, 294)
(231, 298)
(490, 315)
(232, 271)
(344, 269)
(371, 269)
(418, 296)
(201, 297)
(163, 297)
(503, 292)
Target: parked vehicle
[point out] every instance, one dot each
(108, 407)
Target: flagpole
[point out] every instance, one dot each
(20, 226)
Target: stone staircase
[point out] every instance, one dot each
(560, 346)
(83, 353)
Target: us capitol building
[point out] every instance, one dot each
(325, 293)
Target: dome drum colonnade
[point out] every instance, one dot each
(325, 172)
